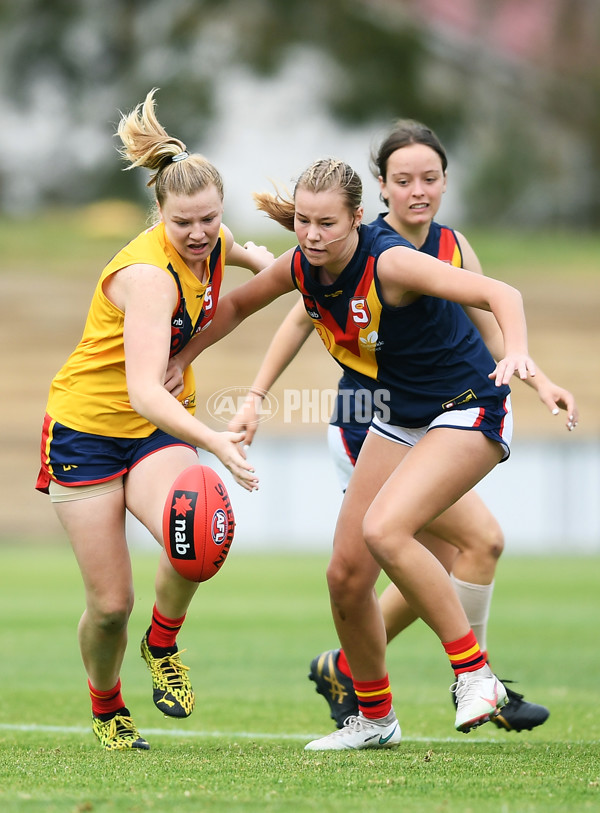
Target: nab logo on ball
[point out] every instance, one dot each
(198, 523)
(181, 530)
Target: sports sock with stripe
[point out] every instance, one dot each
(465, 654)
(374, 697)
(106, 702)
(163, 631)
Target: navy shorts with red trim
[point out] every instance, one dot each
(74, 458)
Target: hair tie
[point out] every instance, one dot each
(181, 156)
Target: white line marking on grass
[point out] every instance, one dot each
(181, 732)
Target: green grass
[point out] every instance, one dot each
(250, 635)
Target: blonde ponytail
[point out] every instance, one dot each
(147, 144)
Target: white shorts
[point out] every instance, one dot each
(342, 459)
(497, 424)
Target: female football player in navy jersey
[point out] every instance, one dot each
(392, 318)
(410, 166)
(115, 439)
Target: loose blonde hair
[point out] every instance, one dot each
(321, 176)
(147, 144)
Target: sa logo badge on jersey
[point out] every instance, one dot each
(359, 310)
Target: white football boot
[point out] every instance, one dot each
(479, 697)
(360, 732)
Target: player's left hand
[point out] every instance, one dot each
(260, 256)
(557, 398)
(513, 364)
(174, 377)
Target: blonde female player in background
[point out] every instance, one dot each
(114, 438)
(370, 294)
(411, 168)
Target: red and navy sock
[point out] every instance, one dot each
(374, 697)
(465, 654)
(163, 633)
(105, 704)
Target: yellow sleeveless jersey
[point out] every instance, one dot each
(89, 393)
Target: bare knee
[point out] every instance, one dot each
(111, 616)
(373, 534)
(339, 581)
(491, 539)
(347, 582)
(482, 540)
(382, 540)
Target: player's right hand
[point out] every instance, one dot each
(227, 447)
(246, 418)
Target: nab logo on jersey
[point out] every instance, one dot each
(359, 310)
(311, 307)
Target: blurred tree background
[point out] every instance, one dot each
(511, 86)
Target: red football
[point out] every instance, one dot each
(198, 523)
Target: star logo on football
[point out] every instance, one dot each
(182, 505)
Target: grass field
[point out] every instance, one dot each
(250, 635)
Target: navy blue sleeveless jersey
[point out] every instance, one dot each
(417, 360)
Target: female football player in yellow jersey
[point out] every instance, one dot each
(410, 165)
(115, 439)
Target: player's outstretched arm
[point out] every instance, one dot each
(550, 394)
(287, 341)
(249, 256)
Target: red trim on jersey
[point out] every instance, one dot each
(349, 338)
(447, 245)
